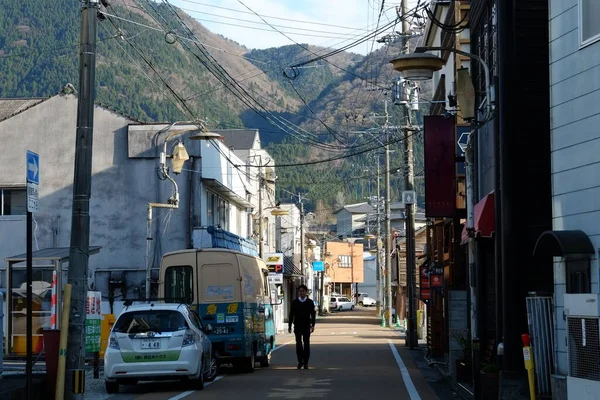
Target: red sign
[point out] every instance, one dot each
(440, 166)
(425, 294)
(436, 280)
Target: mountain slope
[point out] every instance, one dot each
(148, 67)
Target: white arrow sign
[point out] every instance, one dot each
(33, 167)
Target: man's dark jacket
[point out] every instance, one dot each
(302, 314)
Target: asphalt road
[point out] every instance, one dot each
(352, 358)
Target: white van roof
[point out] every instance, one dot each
(211, 249)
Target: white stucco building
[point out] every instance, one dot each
(215, 189)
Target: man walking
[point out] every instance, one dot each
(302, 315)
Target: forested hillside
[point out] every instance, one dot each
(156, 63)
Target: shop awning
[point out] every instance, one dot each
(289, 268)
(563, 243)
(485, 219)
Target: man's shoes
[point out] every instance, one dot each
(305, 366)
(299, 365)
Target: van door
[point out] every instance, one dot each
(177, 278)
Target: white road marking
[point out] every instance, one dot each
(218, 378)
(186, 394)
(410, 386)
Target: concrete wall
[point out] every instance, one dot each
(575, 99)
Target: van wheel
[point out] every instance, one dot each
(340, 309)
(360, 303)
(265, 362)
(111, 387)
(250, 363)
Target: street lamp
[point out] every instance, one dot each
(420, 66)
(179, 156)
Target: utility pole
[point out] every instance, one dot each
(378, 245)
(80, 219)
(411, 336)
(302, 269)
(388, 226)
(260, 212)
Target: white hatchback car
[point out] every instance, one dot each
(158, 341)
(340, 304)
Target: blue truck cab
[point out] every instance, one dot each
(230, 291)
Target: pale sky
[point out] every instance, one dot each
(304, 21)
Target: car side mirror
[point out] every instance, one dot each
(208, 329)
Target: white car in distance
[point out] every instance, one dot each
(365, 301)
(158, 341)
(340, 304)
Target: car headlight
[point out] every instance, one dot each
(189, 338)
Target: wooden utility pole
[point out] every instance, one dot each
(80, 219)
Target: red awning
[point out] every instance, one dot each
(485, 221)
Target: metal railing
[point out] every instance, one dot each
(540, 318)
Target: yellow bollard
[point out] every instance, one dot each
(528, 357)
(62, 349)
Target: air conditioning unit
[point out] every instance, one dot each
(582, 313)
(582, 304)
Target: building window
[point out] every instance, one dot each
(578, 276)
(217, 211)
(589, 25)
(13, 201)
(345, 262)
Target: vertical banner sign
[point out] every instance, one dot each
(440, 166)
(93, 321)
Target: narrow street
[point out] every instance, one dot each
(352, 357)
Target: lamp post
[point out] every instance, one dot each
(178, 159)
(420, 66)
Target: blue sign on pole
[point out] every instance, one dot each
(33, 167)
(318, 266)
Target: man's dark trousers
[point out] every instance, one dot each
(302, 351)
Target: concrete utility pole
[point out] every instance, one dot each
(302, 268)
(80, 218)
(388, 226)
(260, 212)
(378, 244)
(411, 336)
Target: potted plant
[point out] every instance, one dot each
(490, 373)
(464, 364)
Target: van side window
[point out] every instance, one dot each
(179, 283)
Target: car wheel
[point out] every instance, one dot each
(360, 303)
(340, 309)
(111, 387)
(352, 307)
(199, 382)
(213, 370)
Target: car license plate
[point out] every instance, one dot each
(150, 344)
(221, 330)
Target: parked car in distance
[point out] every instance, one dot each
(158, 341)
(365, 301)
(340, 304)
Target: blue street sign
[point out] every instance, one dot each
(33, 167)
(318, 266)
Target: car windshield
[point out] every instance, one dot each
(150, 321)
